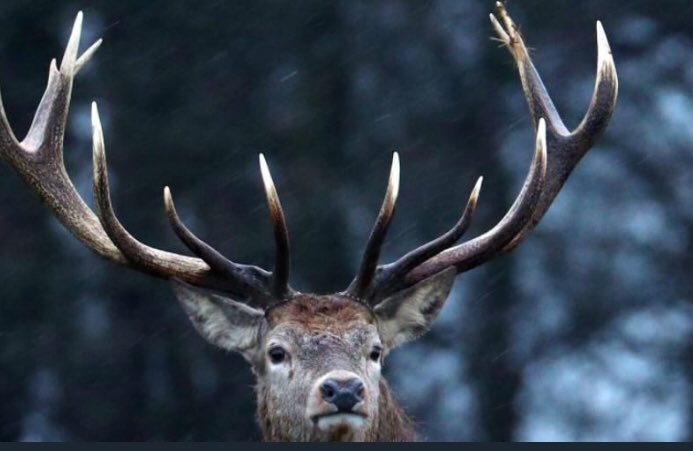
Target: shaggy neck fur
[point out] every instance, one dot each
(390, 425)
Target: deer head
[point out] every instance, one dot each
(317, 358)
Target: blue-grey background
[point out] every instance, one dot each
(582, 333)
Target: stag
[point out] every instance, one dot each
(317, 358)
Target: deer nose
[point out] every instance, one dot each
(342, 393)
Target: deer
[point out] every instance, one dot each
(317, 359)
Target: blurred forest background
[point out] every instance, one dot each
(582, 333)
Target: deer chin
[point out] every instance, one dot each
(329, 421)
(341, 426)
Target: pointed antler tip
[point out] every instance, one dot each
(479, 182)
(603, 47)
(87, 55)
(601, 34)
(393, 185)
(68, 65)
(500, 31)
(474, 197)
(79, 18)
(540, 155)
(95, 120)
(265, 173)
(395, 160)
(98, 147)
(168, 201)
(541, 133)
(77, 28)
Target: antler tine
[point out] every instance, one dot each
(604, 95)
(142, 256)
(390, 273)
(250, 279)
(361, 284)
(245, 282)
(280, 274)
(87, 55)
(46, 134)
(478, 250)
(565, 148)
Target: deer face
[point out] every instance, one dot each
(317, 359)
(320, 367)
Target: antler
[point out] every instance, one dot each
(557, 152)
(39, 161)
(364, 278)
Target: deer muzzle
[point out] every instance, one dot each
(338, 399)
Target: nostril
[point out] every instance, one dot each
(359, 390)
(329, 390)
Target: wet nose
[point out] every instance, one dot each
(342, 393)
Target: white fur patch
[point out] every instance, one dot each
(353, 422)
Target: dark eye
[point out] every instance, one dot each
(375, 353)
(276, 354)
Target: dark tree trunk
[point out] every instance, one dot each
(498, 379)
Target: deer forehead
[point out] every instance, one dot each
(319, 323)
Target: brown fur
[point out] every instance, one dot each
(333, 315)
(316, 312)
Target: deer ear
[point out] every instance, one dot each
(408, 314)
(226, 323)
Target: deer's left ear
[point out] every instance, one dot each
(408, 314)
(226, 323)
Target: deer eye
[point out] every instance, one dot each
(375, 353)
(276, 354)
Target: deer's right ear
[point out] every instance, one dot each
(226, 323)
